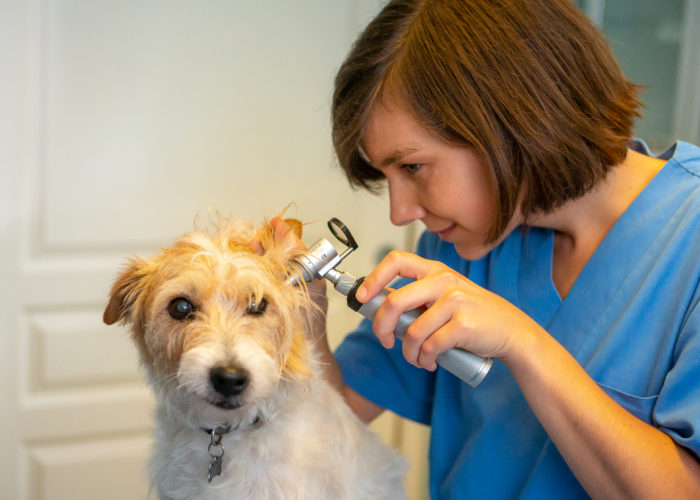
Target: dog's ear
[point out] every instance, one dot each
(286, 234)
(277, 234)
(295, 225)
(126, 289)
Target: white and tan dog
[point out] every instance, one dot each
(238, 385)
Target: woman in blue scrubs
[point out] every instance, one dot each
(554, 243)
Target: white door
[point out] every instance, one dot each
(119, 122)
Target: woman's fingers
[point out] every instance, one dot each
(438, 329)
(414, 295)
(441, 340)
(420, 333)
(396, 263)
(440, 282)
(456, 311)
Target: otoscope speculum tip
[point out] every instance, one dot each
(297, 274)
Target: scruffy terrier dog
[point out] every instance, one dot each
(243, 411)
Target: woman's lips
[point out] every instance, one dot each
(445, 233)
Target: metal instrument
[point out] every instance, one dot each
(321, 260)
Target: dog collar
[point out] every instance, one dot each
(216, 447)
(219, 430)
(225, 429)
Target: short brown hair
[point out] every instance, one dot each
(531, 85)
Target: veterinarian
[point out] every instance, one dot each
(555, 243)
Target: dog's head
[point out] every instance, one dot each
(216, 327)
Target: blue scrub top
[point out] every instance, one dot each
(632, 320)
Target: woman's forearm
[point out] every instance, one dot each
(612, 453)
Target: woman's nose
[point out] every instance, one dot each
(404, 207)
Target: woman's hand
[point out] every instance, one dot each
(458, 312)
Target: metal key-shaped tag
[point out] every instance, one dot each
(216, 451)
(214, 468)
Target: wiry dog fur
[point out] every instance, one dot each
(292, 435)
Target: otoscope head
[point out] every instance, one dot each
(322, 257)
(314, 263)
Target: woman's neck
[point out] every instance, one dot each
(582, 224)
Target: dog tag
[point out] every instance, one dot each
(216, 451)
(214, 468)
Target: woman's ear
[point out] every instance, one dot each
(128, 286)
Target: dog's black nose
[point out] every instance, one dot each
(229, 380)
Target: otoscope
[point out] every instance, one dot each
(320, 261)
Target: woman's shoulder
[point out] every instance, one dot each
(674, 192)
(686, 156)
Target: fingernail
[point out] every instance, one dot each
(361, 293)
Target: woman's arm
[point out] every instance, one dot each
(362, 407)
(612, 453)
(365, 409)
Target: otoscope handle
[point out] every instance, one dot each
(463, 364)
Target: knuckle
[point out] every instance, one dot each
(455, 296)
(448, 277)
(412, 333)
(394, 256)
(463, 321)
(381, 329)
(392, 302)
(429, 349)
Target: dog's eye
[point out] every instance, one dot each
(257, 308)
(180, 308)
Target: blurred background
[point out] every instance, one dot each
(123, 121)
(658, 46)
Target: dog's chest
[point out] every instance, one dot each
(286, 461)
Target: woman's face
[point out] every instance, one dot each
(444, 186)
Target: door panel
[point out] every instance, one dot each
(122, 125)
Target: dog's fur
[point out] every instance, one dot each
(292, 435)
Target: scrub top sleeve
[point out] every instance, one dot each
(677, 410)
(383, 375)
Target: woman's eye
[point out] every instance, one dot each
(257, 308)
(180, 308)
(411, 168)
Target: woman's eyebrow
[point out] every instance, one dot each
(396, 156)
